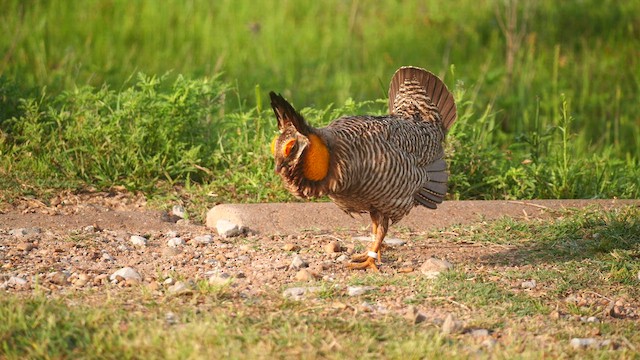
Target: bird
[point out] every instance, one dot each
(380, 165)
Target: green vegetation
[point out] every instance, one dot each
(483, 290)
(547, 92)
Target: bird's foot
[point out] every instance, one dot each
(359, 258)
(368, 263)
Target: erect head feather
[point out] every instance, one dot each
(287, 115)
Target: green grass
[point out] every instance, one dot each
(547, 100)
(219, 322)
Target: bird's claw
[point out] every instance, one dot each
(368, 263)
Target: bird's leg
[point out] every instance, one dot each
(368, 259)
(363, 257)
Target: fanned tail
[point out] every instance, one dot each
(416, 92)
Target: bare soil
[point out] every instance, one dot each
(76, 242)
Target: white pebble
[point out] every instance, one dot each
(433, 267)
(126, 273)
(138, 240)
(178, 211)
(175, 242)
(528, 284)
(359, 290)
(203, 239)
(297, 263)
(298, 293)
(227, 229)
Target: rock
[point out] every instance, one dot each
(171, 251)
(58, 277)
(13, 282)
(298, 263)
(90, 229)
(171, 234)
(178, 211)
(478, 333)
(175, 242)
(291, 247)
(168, 281)
(433, 267)
(386, 241)
(181, 288)
(299, 293)
(100, 279)
(203, 239)
(106, 256)
(342, 258)
(451, 325)
(126, 273)
(25, 246)
(528, 284)
(18, 232)
(592, 319)
(154, 286)
(414, 315)
(25, 231)
(332, 247)
(137, 240)
(394, 242)
(220, 279)
(359, 290)
(306, 275)
(583, 343)
(489, 343)
(171, 318)
(227, 229)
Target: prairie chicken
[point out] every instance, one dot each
(381, 165)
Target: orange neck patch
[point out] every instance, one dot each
(316, 159)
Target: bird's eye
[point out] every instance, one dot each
(288, 146)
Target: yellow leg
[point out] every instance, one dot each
(367, 260)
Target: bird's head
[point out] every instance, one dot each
(301, 156)
(287, 148)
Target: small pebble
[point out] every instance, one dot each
(332, 247)
(291, 247)
(203, 239)
(298, 263)
(126, 273)
(137, 240)
(477, 333)
(583, 343)
(168, 281)
(306, 275)
(414, 315)
(25, 246)
(106, 256)
(531, 284)
(227, 229)
(299, 293)
(220, 279)
(451, 325)
(175, 242)
(433, 267)
(342, 258)
(58, 277)
(171, 234)
(359, 290)
(180, 288)
(178, 211)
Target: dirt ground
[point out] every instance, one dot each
(76, 243)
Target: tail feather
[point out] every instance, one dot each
(415, 91)
(434, 191)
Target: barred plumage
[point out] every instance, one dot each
(382, 165)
